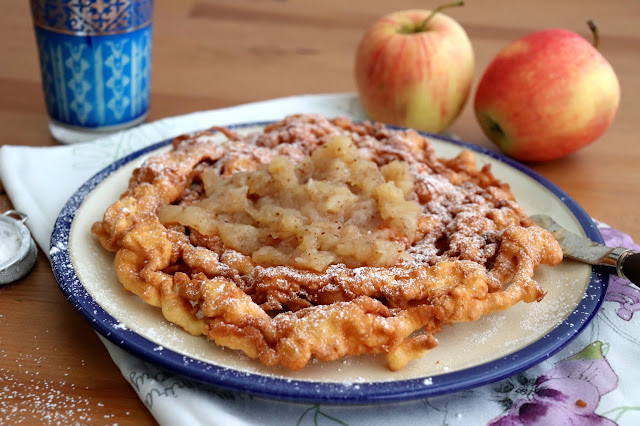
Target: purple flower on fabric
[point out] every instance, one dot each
(568, 394)
(621, 290)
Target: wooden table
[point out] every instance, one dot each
(216, 53)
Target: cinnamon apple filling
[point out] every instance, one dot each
(332, 207)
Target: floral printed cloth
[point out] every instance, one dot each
(571, 390)
(592, 381)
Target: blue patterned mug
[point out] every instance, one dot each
(95, 59)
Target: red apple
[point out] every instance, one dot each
(414, 68)
(546, 95)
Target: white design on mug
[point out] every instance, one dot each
(78, 84)
(116, 61)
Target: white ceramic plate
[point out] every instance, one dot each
(468, 355)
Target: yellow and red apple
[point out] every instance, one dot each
(547, 95)
(415, 68)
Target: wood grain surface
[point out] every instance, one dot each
(217, 53)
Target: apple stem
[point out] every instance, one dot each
(423, 25)
(594, 31)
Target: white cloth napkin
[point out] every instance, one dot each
(591, 381)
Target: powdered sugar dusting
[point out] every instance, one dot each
(26, 397)
(59, 247)
(9, 243)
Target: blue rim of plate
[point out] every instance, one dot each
(322, 392)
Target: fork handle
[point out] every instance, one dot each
(628, 266)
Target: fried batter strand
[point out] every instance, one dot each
(319, 239)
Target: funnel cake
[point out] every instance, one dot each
(319, 239)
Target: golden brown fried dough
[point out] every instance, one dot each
(321, 238)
